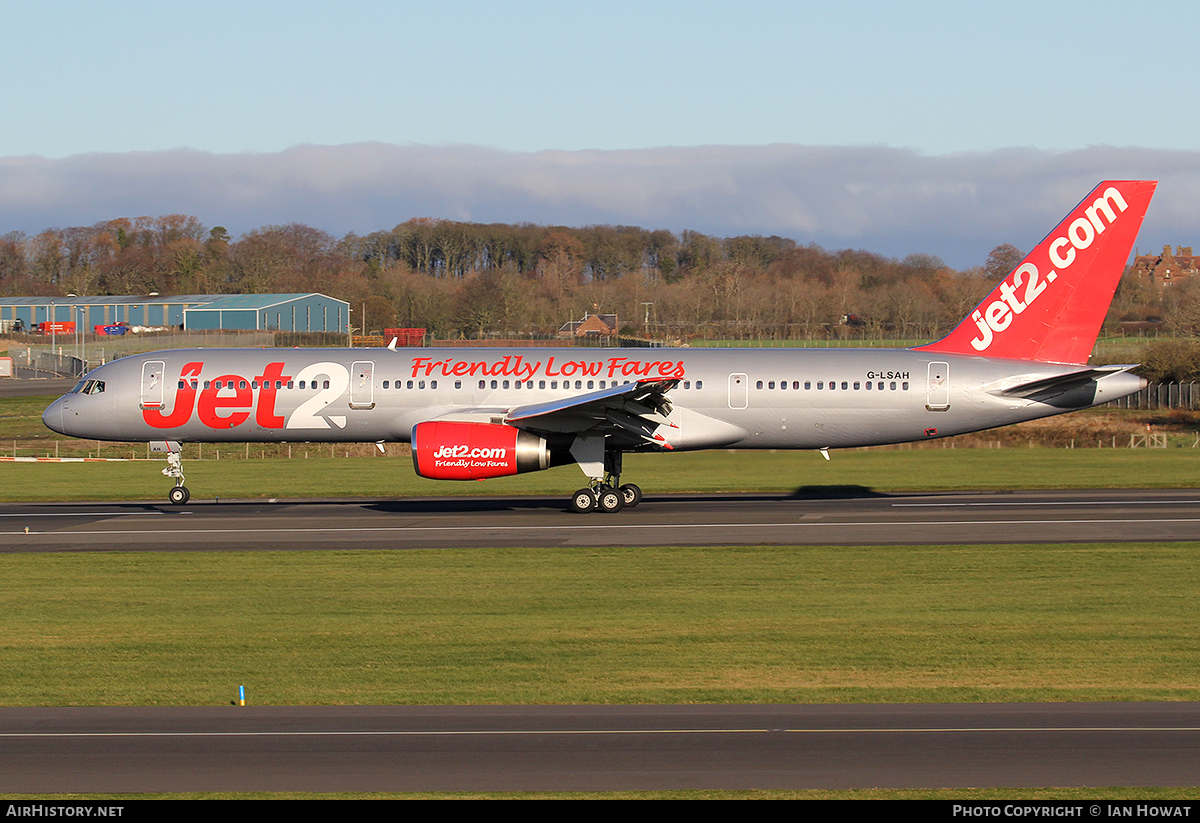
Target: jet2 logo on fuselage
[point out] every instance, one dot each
(236, 398)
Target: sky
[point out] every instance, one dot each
(933, 127)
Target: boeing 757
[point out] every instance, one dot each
(1020, 355)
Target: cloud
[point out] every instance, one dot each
(887, 200)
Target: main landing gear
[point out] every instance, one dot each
(602, 497)
(180, 494)
(607, 494)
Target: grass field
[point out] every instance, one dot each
(604, 625)
(803, 472)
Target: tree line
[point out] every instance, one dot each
(471, 280)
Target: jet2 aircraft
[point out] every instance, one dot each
(475, 414)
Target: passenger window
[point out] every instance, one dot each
(699, 384)
(758, 385)
(385, 384)
(432, 384)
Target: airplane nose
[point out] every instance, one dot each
(53, 416)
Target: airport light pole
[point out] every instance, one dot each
(78, 340)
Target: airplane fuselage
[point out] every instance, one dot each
(726, 398)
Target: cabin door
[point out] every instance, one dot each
(152, 384)
(739, 391)
(362, 385)
(937, 387)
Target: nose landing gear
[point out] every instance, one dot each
(180, 494)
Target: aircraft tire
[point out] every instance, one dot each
(179, 495)
(611, 500)
(632, 495)
(583, 501)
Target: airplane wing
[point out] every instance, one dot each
(632, 412)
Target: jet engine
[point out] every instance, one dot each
(447, 450)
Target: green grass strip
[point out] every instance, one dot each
(647, 625)
(716, 471)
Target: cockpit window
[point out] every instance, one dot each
(88, 387)
(78, 387)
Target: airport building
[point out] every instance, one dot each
(188, 312)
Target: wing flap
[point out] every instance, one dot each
(632, 410)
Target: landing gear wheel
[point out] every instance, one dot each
(632, 495)
(583, 501)
(179, 495)
(611, 500)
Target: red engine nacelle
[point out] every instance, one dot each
(444, 450)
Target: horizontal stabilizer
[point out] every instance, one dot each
(1061, 382)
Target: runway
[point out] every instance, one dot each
(853, 518)
(597, 748)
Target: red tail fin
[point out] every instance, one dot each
(1051, 306)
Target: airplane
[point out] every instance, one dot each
(472, 414)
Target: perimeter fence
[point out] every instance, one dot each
(1161, 396)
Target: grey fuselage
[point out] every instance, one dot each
(725, 398)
